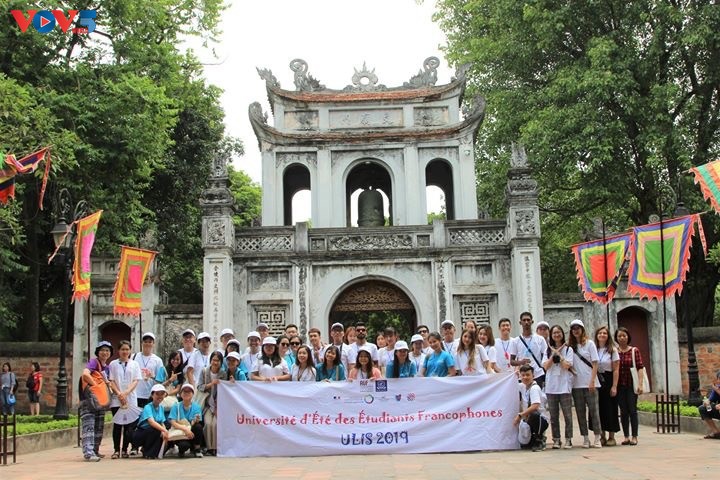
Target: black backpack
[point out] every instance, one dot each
(30, 382)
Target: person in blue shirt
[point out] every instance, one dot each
(438, 363)
(710, 409)
(235, 372)
(152, 427)
(401, 366)
(331, 369)
(187, 416)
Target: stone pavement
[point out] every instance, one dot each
(671, 456)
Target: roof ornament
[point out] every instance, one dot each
(257, 114)
(304, 82)
(267, 75)
(426, 77)
(475, 107)
(461, 72)
(364, 80)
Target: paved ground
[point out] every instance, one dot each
(671, 456)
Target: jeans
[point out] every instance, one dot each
(7, 409)
(627, 401)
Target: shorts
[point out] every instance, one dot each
(714, 413)
(34, 397)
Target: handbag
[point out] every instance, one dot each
(201, 398)
(98, 396)
(634, 373)
(168, 402)
(524, 433)
(175, 434)
(11, 400)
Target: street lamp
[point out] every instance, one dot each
(64, 237)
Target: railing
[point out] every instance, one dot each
(667, 413)
(4, 452)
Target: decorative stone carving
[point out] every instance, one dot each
(461, 72)
(304, 82)
(272, 315)
(269, 280)
(216, 233)
(477, 311)
(217, 198)
(270, 243)
(303, 120)
(220, 166)
(364, 80)
(522, 186)
(525, 221)
(518, 159)
(256, 113)
(475, 107)
(372, 296)
(430, 116)
(370, 242)
(267, 75)
(375, 118)
(477, 236)
(442, 303)
(427, 76)
(302, 280)
(304, 158)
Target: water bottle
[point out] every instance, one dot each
(706, 402)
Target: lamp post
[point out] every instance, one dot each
(64, 237)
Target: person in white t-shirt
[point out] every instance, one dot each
(387, 353)
(532, 409)
(270, 367)
(470, 358)
(124, 376)
(360, 342)
(424, 331)
(486, 340)
(585, 383)
(558, 363)
(449, 342)
(503, 346)
(608, 375)
(528, 349)
(199, 360)
(337, 332)
(249, 359)
(188, 346)
(151, 369)
(417, 352)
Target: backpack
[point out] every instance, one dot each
(30, 382)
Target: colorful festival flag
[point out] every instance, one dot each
(646, 274)
(86, 230)
(27, 164)
(708, 177)
(134, 266)
(599, 268)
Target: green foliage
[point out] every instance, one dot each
(685, 409)
(248, 198)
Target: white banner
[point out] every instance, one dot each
(409, 415)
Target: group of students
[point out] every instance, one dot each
(181, 395)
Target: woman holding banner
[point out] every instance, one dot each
(271, 367)
(209, 379)
(401, 366)
(364, 369)
(438, 363)
(331, 369)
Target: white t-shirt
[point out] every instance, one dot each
(354, 348)
(535, 344)
(532, 395)
(491, 352)
(186, 355)
(267, 371)
(344, 354)
(419, 361)
(605, 359)
(123, 373)
(582, 371)
(198, 362)
(149, 367)
(462, 362)
(385, 356)
(450, 347)
(308, 374)
(557, 379)
(250, 361)
(502, 357)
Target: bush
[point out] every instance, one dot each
(685, 409)
(27, 424)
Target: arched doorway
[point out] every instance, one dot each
(379, 304)
(368, 173)
(113, 332)
(635, 320)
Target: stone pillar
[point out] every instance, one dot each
(218, 239)
(524, 235)
(416, 211)
(322, 191)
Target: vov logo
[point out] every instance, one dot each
(44, 21)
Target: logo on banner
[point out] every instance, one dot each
(369, 399)
(398, 397)
(410, 397)
(44, 21)
(381, 385)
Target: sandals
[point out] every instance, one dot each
(625, 442)
(712, 436)
(125, 455)
(115, 455)
(633, 441)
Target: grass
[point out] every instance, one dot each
(685, 409)
(27, 424)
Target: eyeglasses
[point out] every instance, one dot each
(294, 343)
(284, 344)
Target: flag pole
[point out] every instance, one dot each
(662, 270)
(607, 285)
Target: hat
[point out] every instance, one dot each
(415, 338)
(234, 355)
(188, 331)
(447, 322)
(202, 335)
(337, 325)
(365, 349)
(226, 331)
(401, 345)
(577, 322)
(158, 387)
(269, 341)
(251, 334)
(188, 385)
(105, 344)
(148, 335)
(234, 342)
(262, 325)
(542, 323)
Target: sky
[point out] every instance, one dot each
(333, 36)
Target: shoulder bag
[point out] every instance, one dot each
(98, 396)
(634, 373)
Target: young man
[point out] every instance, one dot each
(387, 353)
(710, 409)
(225, 336)
(532, 409)
(424, 331)
(503, 344)
(263, 330)
(151, 369)
(361, 335)
(188, 346)
(337, 333)
(449, 342)
(250, 358)
(199, 360)
(528, 349)
(543, 329)
(316, 345)
(291, 330)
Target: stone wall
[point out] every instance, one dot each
(20, 355)
(707, 354)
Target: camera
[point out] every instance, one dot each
(556, 358)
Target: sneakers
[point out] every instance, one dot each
(92, 458)
(598, 442)
(133, 453)
(539, 445)
(556, 444)
(198, 454)
(611, 442)
(586, 442)
(568, 444)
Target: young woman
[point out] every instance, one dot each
(271, 367)
(417, 355)
(152, 424)
(471, 325)
(124, 377)
(174, 376)
(470, 359)
(187, 416)
(234, 372)
(303, 370)
(438, 363)
(209, 379)
(486, 338)
(364, 368)
(283, 346)
(331, 369)
(626, 396)
(93, 421)
(350, 335)
(8, 382)
(608, 374)
(558, 385)
(34, 392)
(585, 383)
(401, 366)
(380, 341)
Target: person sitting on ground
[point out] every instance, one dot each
(710, 409)
(532, 409)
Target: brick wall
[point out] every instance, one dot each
(20, 355)
(707, 354)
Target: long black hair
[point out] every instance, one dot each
(179, 369)
(323, 365)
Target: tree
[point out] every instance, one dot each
(613, 100)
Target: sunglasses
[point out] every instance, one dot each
(284, 344)
(422, 331)
(294, 343)
(360, 330)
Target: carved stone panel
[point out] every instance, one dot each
(526, 223)
(302, 120)
(430, 116)
(274, 315)
(473, 274)
(370, 118)
(269, 280)
(282, 160)
(372, 296)
(477, 236)
(370, 242)
(216, 232)
(268, 243)
(477, 311)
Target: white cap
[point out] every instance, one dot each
(233, 342)
(401, 345)
(269, 341)
(577, 322)
(365, 349)
(253, 334)
(202, 335)
(158, 387)
(226, 331)
(337, 325)
(234, 355)
(542, 323)
(262, 325)
(188, 385)
(447, 322)
(416, 338)
(148, 334)
(188, 330)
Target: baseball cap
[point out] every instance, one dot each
(262, 325)
(148, 335)
(542, 323)
(202, 335)
(188, 331)
(447, 322)
(415, 338)
(577, 322)
(253, 334)
(226, 331)
(158, 387)
(104, 344)
(269, 341)
(234, 355)
(337, 325)
(401, 345)
(188, 385)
